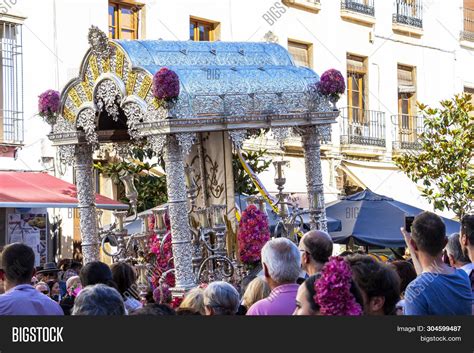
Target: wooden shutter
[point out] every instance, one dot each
(406, 82)
(356, 64)
(300, 53)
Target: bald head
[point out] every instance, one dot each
(318, 245)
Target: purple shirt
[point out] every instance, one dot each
(281, 301)
(26, 300)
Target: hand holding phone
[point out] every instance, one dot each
(408, 223)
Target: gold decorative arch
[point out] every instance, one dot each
(79, 92)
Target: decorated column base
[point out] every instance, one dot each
(314, 178)
(86, 196)
(178, 213)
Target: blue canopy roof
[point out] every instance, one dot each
(372, 219)
(230, 78)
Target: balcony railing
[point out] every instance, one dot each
(468, 32)
(362, 127)
(408, 13)
(406, 132)
(365, 7)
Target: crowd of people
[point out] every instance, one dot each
(303, 279)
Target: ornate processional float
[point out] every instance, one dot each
(191, 102)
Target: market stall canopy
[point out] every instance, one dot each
(387, 179)
(372, 219)
(36, 189)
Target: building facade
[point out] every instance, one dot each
(393, 54)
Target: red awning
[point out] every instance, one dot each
(41, 190)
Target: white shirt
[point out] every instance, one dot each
(468, 268)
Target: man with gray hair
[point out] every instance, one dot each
(281, 263)
(457, 258)
(221, 298)
(316, 248)
(99, 300)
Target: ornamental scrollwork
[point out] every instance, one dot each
(325, 132)
(134, 115)
(238, 137)
(66, 154)
(156, 143)
(63, 125)
(186, 140)
(86, 120)
(99, 43)
(107, 95)
(281, 134)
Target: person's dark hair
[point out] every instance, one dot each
(18, 262)
(51, 285)
(376, 279)
(429, 233)
(186, 312)
(76, 266)
(154, 310)
(96, 272)
(467, 227)
(318, 245)
(406, 272)
(124, 277)
(310, 282)
(310, 290)
(64, 264)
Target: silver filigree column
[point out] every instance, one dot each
(86, 196)
(314, 177)
(178, 212)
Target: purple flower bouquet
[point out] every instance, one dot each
(166, 85)
(48, 105)
(332, 85)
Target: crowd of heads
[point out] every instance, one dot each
(303, 279)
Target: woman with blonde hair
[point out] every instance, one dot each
(193, 302)
(257, 289)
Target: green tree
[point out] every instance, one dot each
(444, 164)
(151, 189)
(242, 182)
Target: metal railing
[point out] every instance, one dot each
(11, 78)
(362, 127)
(409, 13)
(468, 32)
(365, 7)
(406, 132)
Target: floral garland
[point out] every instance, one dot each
(162, 263)
(48, 105)
(332, 84)
(252, 235)
(333, 290)
(166, 84)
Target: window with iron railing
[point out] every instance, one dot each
(365, 7)
(408, 12)
(11, 77)
(406, 131)
(362, 127)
